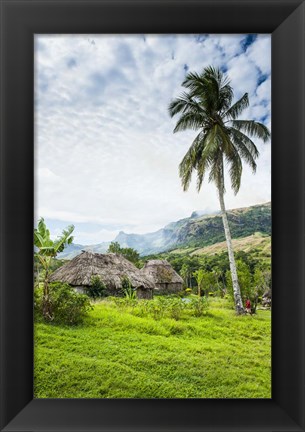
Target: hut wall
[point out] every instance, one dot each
(168, 288)
(113, 292)
(80, 289)
(144, 293)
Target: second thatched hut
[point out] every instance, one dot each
(111, 269)
(164, 277)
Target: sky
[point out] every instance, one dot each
(106, 158)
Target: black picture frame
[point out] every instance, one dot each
(20, 20)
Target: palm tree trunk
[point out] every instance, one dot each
(236, 289)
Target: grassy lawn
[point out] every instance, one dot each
(116, 354)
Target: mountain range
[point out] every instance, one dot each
(197, 231)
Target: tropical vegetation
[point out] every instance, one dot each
(46, 250)
(129, 253)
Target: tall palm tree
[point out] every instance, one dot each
(206, 106)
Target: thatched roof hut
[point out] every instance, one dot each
(111, 268)
(162, 274)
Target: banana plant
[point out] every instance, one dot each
(46, 250)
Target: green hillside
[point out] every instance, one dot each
(256, 245)
(208, 230)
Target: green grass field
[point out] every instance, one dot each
(116, 354)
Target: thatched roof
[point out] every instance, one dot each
(110, 267)
(160, 271)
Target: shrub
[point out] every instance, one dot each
(252, 286)
(68, 307)
(128, 289)
(155, 308)
(125, 302)
(198, 306)
(97, 288)
(174, 307)
(161, 307)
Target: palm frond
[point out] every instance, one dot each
(186, 168)
(192, 79)
(246, 145)
(216, 172)
(224, 138)
(217, 75)
(209, 153)
(203, 87)
(235, 170)
(190, 160)
(211, 142)
(224, 93)
(253, 128)
(189, 121)
(245, 155)
(225, 97)
(202, 168)
(236, 109)
(184, 103)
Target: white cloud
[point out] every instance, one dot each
(105, 152)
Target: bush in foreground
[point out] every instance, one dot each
(68, 307)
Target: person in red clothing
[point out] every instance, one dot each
(248, 306)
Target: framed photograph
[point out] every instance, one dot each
(51, 164)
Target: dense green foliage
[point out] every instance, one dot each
(118, 354)
(127, 289)
(129, 253)
(46, 250)
(68, 307)
(213, 270)
(252, 285)
(97, 288)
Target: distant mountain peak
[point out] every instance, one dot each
(198, 230)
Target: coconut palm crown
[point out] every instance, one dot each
(222, 140)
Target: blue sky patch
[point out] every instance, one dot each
(247, 41)
(262, 78)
